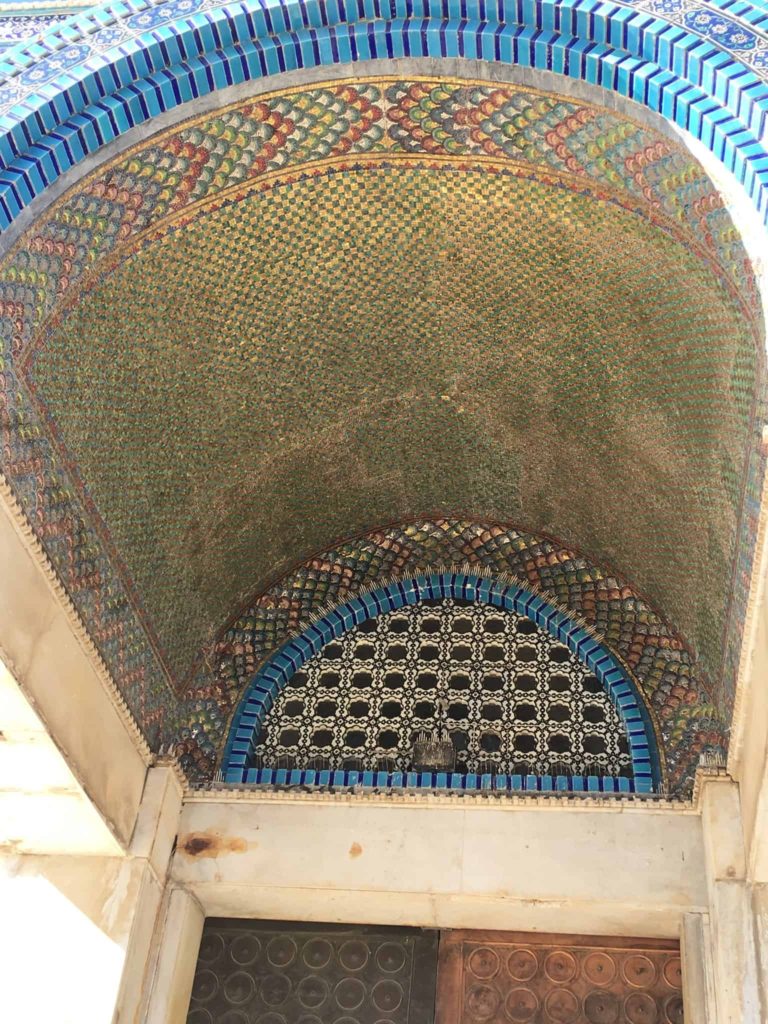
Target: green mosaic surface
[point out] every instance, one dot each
(323, 309)
(373, 343)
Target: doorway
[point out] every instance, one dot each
(278, 972)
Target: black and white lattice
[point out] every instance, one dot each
(513, 698)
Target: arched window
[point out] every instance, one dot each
(509, 691)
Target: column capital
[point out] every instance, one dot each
(157, 823)
(717, 799)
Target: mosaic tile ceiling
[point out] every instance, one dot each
(698, 62)
(321, 310)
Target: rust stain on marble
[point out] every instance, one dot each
(210, 844)
(355, 850)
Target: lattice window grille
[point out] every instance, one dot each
(515, 700)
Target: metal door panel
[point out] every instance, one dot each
(518, 978)
(278, 972)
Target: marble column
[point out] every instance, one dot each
(174, 972)
(147, 865)
(731, 919)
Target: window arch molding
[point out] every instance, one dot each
(275, 674)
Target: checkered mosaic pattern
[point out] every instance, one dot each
(373, 397)
(512, 699)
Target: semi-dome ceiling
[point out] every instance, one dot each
(325, 309)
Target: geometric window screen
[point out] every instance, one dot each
(522, 696)
(511, 696)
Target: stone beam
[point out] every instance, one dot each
(622, 870)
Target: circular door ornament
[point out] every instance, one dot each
(239, 988)
(238, 1017)
(205, 986)
(521, 1005)
(673, 1009)
(244, 949)
(317, 953)
(601, 1008)
(350, 993)
(673, 972)
(199, 1016)
(211, 948)
(281, 951)
(600, 969)
(483, 963)
(391, 957)
(353, 955)
(522, 964)
(561, 1006)
(560, 966)
(275, 989)
(387, 995)
(482, 1002)
(638, 971)
(640, 1008)
(312, 991)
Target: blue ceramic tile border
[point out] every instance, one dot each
(275, 674)
(440, 781)
(117, 66)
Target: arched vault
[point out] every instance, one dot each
(330, 304)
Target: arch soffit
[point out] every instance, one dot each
(721, 98)
(155, 717)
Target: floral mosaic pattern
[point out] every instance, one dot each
(727, 31)
(15, 29)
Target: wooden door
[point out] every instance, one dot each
(280, 972)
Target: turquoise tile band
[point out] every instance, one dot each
(117, 66)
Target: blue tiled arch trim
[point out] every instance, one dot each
(275, 674)
(120, 64)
